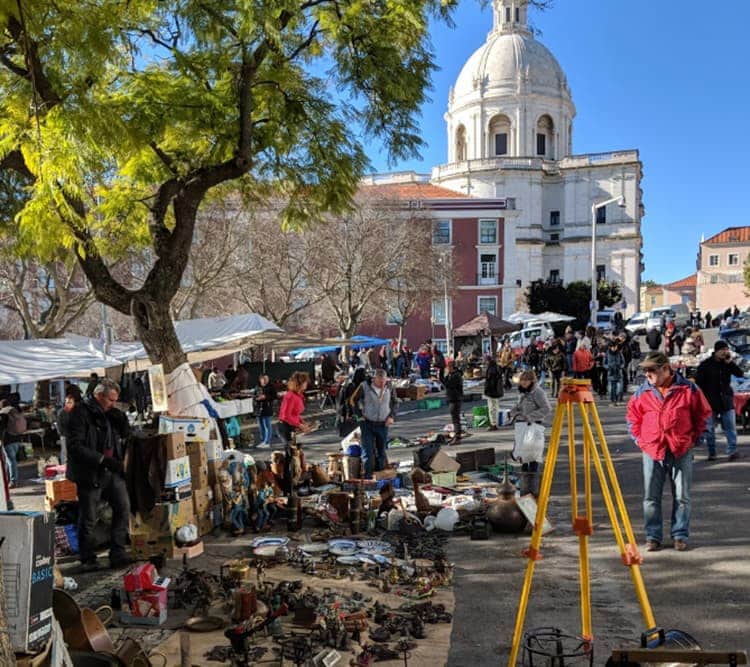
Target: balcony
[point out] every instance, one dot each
(487, 280)
(491, 164)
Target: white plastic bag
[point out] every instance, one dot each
(529, 443)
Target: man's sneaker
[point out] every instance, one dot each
(652, 545)
(680, 545)
(262, 445)
(733, 456)
(711, 457)
(122, 561)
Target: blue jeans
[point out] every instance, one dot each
(680, 475)
(728, 425)
(615, 386)
(11, 456)
(266, 434)
(374, 437)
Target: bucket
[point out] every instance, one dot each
(551, 647)
(674, 639)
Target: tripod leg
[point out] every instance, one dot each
(628, 552)
(536, 537)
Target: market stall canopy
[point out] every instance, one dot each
(49, 358)
(333, 344)
(485, 324)
(548, 316)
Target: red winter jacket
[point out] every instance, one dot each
(583, 360)
(674, 421)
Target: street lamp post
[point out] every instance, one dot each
(597, 205)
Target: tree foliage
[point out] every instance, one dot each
(119, 118)
(572, 299)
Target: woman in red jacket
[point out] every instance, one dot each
(583, 361)
(290, 420)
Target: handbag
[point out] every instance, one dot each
(529, 442)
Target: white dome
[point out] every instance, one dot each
(509, 63)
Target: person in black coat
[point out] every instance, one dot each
(493, 391)
(653, 339)
(714, 377)
(96, 452)
(265, 397)
(454, 392)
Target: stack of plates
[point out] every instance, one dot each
(313, 548)
(375, 547)
(342, 547)
(269, 542)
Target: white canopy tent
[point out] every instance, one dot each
(550, 317)
(49, 358)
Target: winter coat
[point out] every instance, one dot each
(493, 382)
(673, 422)
(454, 386)
(264, 406)
(292, 407)
(653, 338)
(614, 361)
(92, 432)
(555, 362)
(714, 378)
(583, 360)
(533, 406)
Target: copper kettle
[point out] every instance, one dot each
(503, 513)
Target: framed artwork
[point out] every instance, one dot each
(527, 504)
(158, 384)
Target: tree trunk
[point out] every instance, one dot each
(156, 331)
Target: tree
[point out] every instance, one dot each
(121, 119)
(572, 299)
(356, 261)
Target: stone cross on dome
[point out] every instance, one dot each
(510, 16)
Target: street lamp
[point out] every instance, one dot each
(443, 261)
(596, 205)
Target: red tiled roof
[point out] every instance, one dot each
(411, 191)
(684, 283)
(731, 235)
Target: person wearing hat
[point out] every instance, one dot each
(714, 377)
(666, 416)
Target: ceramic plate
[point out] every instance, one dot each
(340, 542)
(266, 551)
(372, 559)
(375, 546)
(313, 547)
(343, 550)
(348, 560)
(269, 542)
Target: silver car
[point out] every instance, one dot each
(636, 325)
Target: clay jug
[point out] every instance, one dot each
(504, 514)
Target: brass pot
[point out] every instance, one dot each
(90, 633)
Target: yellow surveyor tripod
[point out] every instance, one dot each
(578, 392)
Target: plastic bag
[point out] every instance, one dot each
(529, 443)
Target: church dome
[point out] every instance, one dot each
(510, 63)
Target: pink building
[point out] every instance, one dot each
(721, 262)
(472, 231)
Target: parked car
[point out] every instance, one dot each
(605, 319)
(678, 313)
(636, 325)
(520, 340)
(738, 341)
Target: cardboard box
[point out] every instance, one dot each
(475, 458)
(174, 444)
(213, 472)
(441, 462)
(214, 450)
(164, 519)
(178, 472)
(177, 494)
(416, 392)
(194, 429)
(176, 552)
(198, 464)
(28, 562)
(145, 545)
(202, 501)
(59, 490)
(206, 523)
(443, 478)
(143, 607)
(388, 473)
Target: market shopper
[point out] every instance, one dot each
(15, 426)
(454, 393)
(375, 403)
(505, 362)
(555, 363)
(73, 397)
(714, 377)
(533, 407)
(493, 391)
(265, 397)
(96, 451)
(291, 422)
(666, 416)
(614, 362)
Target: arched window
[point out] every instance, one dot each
(499, 135)
(460, 144)
(545, 137)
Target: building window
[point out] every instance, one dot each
(601, 272)
(733, 259)
(438, 311)
(653, 301)
(554, 218)
(713, 260)
(554, 238)
(488, 269)
(488, 231)
(714, 279)
(601, 215)
(507, 14)
(554, 276)
(518, 14)
(441, 344)
(487, 304)
(541, 144)
(441, 232)
(501, 143)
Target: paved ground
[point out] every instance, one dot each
(704, 591)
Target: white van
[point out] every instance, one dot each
(678, 313)
(520, 340)
(605, 319)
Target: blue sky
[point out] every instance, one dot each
(667, 77)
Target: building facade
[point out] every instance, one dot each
(720, 277)
(510, 138)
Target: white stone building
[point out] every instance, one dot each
(510, 135)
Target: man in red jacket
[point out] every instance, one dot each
(666, 416)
